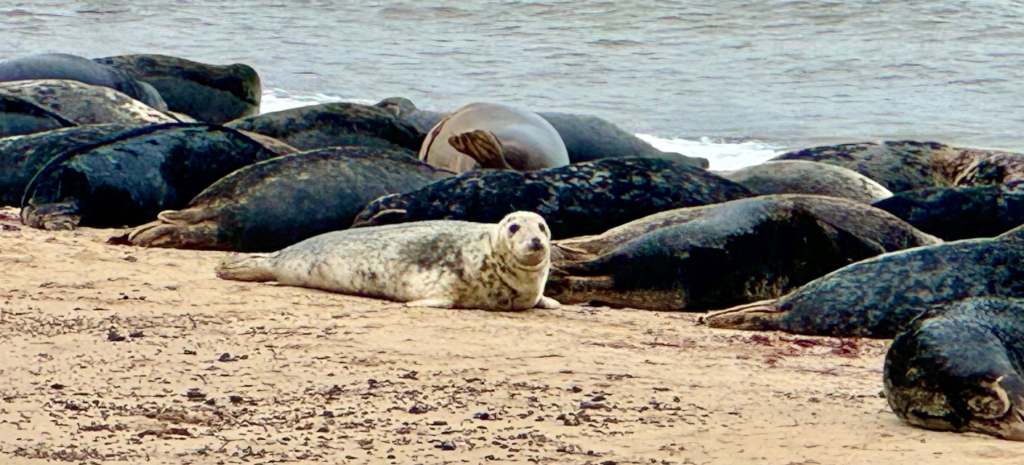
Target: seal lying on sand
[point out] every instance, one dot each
(723, 254)
(22, 157)
(878, 297)
(84, 103)
(808, 177)
(958, 212)
(897, 165)
(448, 264)
(586, 137)
(333, 124)
(19, 116)
(209, 93)
(578, 199)
(488, 135)
(128, 179)
(278, 202)
(957, 367)
(76, 68)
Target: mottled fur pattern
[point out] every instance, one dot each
(451, 264)
(85, 104)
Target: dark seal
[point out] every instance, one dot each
(723, 254)
(20, 116)
(957, 367)
(76, 68)
(276, 203)
(959, 212)
(578, 199)
(334, 124)
(209, 93)
(128, 179)
(22, 157)
(878, 297)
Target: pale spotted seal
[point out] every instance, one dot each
(449, 264)
(84, 103)
(957, 367)
(488, 135)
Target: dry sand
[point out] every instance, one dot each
(119, 354)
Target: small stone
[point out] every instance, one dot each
(419, 409)
(195, 394)
(446, 445)
(57, 386)
(114, 336)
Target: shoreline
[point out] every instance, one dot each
(211, 370)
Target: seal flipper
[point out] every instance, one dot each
(483, 147)
(547, 303)
(185, 229)
(253, 267)
(763, 315)
(52, 216)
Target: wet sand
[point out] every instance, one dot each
(114, 354)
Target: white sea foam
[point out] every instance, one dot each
(722, 155)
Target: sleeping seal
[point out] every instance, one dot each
(85, 103)
(959, 212)
(75, 68)
(723, 254)
(878, 297)
(489, 135)
(957, 367)
(808, 177)
(447, 264)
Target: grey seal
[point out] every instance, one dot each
(490, 135)
(84, 103)
(75, 68)
(448, 264)
(808, 177)
(954, 213)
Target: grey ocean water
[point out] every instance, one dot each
(789, 73)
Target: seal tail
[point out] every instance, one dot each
(180, 229)
(252, 267)
(764, 315)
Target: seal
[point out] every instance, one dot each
(128, 179)
(446, 264)
(897, 165)
(878, 297)
(578, 199)
(209, 93)
(954, 213)
(278, 202)
(20, 116)
(999, 168)
(808, 177)
(85, 103)
(723, 254)
(586, 137)
(75, 68)
(488, 135)
(21, 157)
(333, 124)
(957, 367)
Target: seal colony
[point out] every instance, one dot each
(833, 240)
(447, 264)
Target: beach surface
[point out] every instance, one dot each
(115, 354)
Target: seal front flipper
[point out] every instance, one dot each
(433, 303)
(52, 216)
(763, 315)
(483, 147)
(187, 228)
(547, 303)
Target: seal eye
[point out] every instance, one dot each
(513, 228)
(543, 229)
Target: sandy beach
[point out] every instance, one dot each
(114, 354)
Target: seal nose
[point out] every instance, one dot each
(536, 244)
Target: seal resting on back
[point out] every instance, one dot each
(75, 68)
(209, 93)
(723, 254)
(808, 177)
(958, 367)
(878, 297)
(488, 135)
(447, 264)
(278, 202)
(578, 199)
